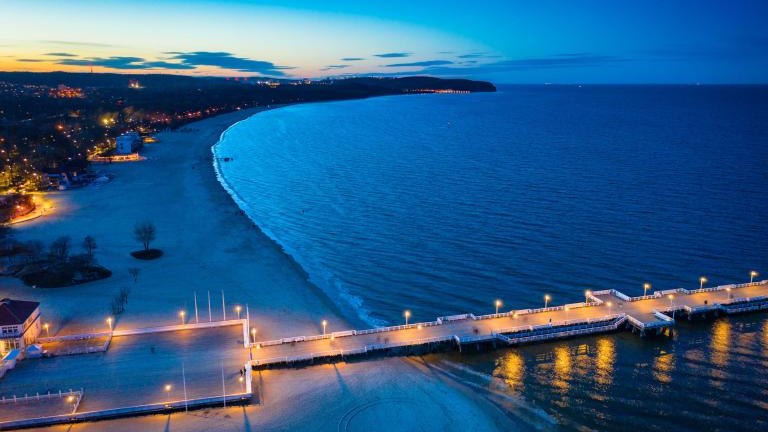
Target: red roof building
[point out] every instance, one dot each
(19, 324)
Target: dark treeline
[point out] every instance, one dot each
(52, 121)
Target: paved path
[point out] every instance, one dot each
(604, 308)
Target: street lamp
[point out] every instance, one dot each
(728, 292)
(672, 305)
(498, 305)
(109, 323)
(242, 384)
(238, 309)
(752, 275)
(47, 333)
(547, 298)
(181, 315)
(168, 394)
(407, 314)
(610, 305)
(587, 293)
(702, 281)
(253, 334)
(646, 287)
(324, 323)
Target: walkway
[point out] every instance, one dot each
(605, 311)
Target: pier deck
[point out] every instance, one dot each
(605, 311)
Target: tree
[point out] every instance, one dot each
(89, 244)
(144, 233)
(59, 249)
(133, 271)
(120, 301)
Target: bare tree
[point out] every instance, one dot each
(59, 249)
(120, 301)
(144, 232)
(133, 271)
(89, 244)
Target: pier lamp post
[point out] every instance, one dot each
(498, 305)
(752, 275)
(547, 298)
(646, 287)
(610, 307)
(702, 281)
(672, 304)
(587, 293)
(47, 333)
(324, 323)
(253, 334)
(728, 292)
(181, 315)
(109, 323)
(407, 314)
(167, 394)
(242, 384)
(238, 309)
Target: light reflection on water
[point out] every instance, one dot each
(606, 357)
(719, 348)
(710, 375)
(663, 366)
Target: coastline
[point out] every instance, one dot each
(210, 243)
(236, 255)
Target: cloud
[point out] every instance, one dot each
(559, 61)
(421, 63)
(159, 64)
(27, 60)
(77, 43)
(332, 67)
(526, 64)
(352, 59)
(60, 54)
(226, 60)
(393, 55)
(115, 62)
(478, 55)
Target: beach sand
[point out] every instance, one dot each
(210, 245)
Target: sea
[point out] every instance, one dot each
(441, 204)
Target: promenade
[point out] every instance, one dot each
(194, 365)
(601, 311)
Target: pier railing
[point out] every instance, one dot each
(593, 300)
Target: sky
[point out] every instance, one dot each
(504, 41)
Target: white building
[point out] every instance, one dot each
(19, 324)
(127, 143)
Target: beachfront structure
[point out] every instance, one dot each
(19, 324)
(127, 143)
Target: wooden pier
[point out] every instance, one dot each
(602, 311)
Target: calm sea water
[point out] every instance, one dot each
(441, 204)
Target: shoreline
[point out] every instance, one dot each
(210, 243)
(175, 177)
(239, 203)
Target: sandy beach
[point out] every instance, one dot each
(210, 245)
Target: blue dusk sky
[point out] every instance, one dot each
(502, 41)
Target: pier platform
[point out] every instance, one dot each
(602, 311)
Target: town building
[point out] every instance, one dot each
(19, 324)
(127, 143)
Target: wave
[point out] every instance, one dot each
(322, 278)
